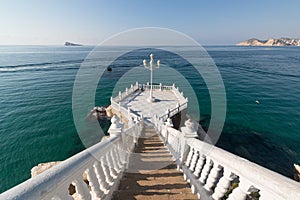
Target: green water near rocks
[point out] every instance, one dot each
(36, 121)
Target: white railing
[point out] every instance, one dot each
(156, 87)
(171, 112)
(102, 165)
(116, 101)
(126, 93)
(211, 171)
(179, 95)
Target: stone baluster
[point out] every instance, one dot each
(205, 170)
(114, 161)
(126, 91)
(136, 133)
(81, 189)
(160, 87)
(104, 186)
(120, 96)
(109, 179)
(241, 192)
(223, 184)
(194, 160)
(118, 158)
(112, 170)
(168, 124)
(96, 192)
(189, 157)
(212, 177)
(199, 165)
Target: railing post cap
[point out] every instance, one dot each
(189, 129)
(115, 127)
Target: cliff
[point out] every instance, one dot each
(271, 42)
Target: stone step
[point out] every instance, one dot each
(155, 174)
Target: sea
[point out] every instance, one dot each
(262, 87)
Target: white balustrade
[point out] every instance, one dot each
(106, 170)
(223, 184)
(194, 160)
(199, 165)
(241, 192)
(206, 170)
(212, 177)
(104, 186)
(96, 191)
(102, 176)
(211, 171)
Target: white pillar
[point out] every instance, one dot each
(223, 184)
(205, 171)
(96, 192)
(168, 124)
(212, 177)
(115, 129)
(189, 129)
(120, 96)
(199, 165)
(241, 192)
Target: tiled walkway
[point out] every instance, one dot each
(157, 177)
(138, 103)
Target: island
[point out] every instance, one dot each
(271, 42)
(71, 44)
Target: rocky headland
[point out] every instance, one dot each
(71, 44)
(271, 42)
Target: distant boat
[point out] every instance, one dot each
(109, 69)
(72, 44)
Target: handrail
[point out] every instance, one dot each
(126, 93)
(59, 176)
(173, 111)
(270, 184)
(211, 170)
(103, 165)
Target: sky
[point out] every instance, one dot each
(210, 22)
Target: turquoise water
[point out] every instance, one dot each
(36, 121)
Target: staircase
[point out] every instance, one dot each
(154, 174)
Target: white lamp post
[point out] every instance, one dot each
(151, 67)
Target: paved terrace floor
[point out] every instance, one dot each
(138, 103)
(154, 173)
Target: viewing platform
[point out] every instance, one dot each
(145, 157)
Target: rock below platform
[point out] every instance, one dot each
(42, 167)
